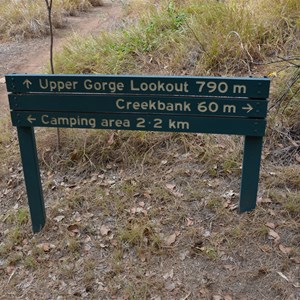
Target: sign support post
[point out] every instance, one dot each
(32, 177)
(250, 172)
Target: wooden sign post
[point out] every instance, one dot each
(153, 103)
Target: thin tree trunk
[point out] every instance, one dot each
(49, 8)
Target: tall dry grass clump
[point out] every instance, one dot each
(190, 37)
(23, 19)
(28, 18)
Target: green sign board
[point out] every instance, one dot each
(243, 126)
(181, 105)
(218, 105)
(141, 85)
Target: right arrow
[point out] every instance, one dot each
(30, 119)
(248, 107)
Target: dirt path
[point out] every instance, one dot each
(32, 55)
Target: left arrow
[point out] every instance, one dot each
(27, 82)
(30, 119)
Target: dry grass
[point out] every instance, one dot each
(141, 215)
(21, 19)
(27, 18)
(142, 230)
(205, 37)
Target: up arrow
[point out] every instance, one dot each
(248, 107)
(27, 82)
(30, 119)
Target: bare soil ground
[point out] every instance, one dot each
(141, 216)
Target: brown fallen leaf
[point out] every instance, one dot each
(204, 292)
(59, 218)
(171, 239)
(170, 286)
(111, 139)
(138, 210)
(266, 248)
(46, 247)
(94, 178)
(88, 215)
(229, 195)
(147, 194)
(169, 171)
(10, 269)
(142, 204)
(233, 206)
(295, 259)
(227, 203)
(25, 242)
(74, 155)
(169, 274)
(77, 218)
(271, 212)
(142, 257)
(73, 229)
(113, 242)
(270, 225)
(104, 230)
(284, 249)
(170, 186)
(183, 255)
(189, 222)
(229, 267)
(177, 194)
(87, 239)
(274, 236)
(87, 247)
(263, 200)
